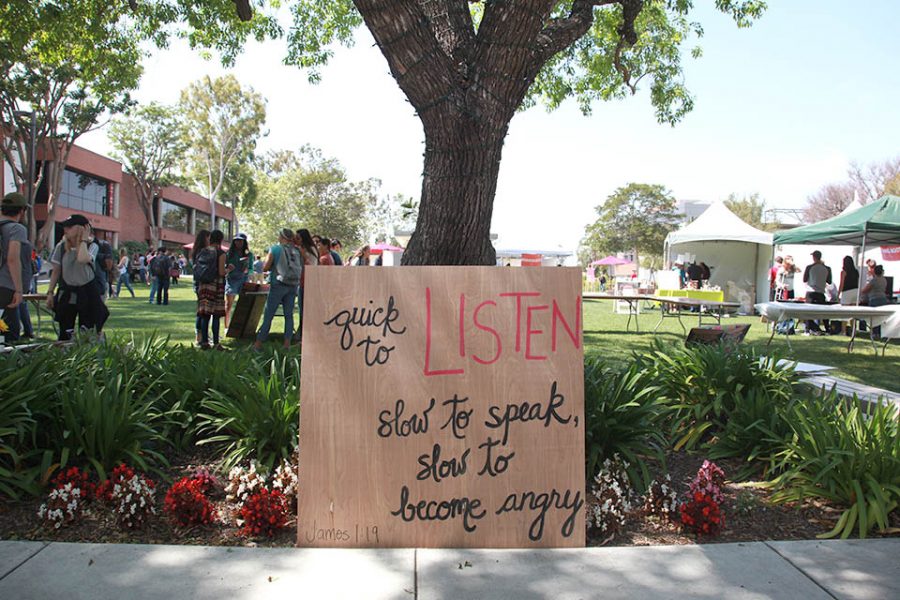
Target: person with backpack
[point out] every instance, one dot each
(15, 262)
(103, 264)
(78, 296)
(160, 267)
(285, 265)
(124, 267)
(209, 273)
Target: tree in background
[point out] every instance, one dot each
(223, 123)
(635, 218)
(71, 62)
(306, 189)
(867, 183)
(751, 209)
(828, 202)
(875, 180)
(150, 143)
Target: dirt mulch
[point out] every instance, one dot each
(749, 516)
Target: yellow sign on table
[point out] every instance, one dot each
(442, 407)
(711, 295)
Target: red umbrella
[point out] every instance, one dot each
(379, 248)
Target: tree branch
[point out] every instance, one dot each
(417, 61)
(451, 23)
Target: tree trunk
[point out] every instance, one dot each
(462, 162)
(45, 236)
(234, 218)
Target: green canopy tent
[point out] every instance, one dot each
(875, 224)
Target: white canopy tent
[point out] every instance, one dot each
(738, 255)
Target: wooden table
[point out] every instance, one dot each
(633, 301)
(671, 308)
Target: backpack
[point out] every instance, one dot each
(159, 266)
(104, 260)
(206, 267)
(289, 266)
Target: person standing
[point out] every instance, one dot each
(285, 265)
(336, 252)
(142, 268)
(237, 270)
(306, 244)
(784, 284)
(848, 289)
(160, 268)
(361, 257)
(876, 288)
(816, 277)
(210, 263)
(124, 264)
(15, 270)
(78, 296)
(325, 258)
(773, 277)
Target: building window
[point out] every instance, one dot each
(224, 225)
(174, 216)
(85, 193)
(202, 220)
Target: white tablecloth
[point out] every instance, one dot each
(888, 317)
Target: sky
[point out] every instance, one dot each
(781, 109)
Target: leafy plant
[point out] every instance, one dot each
(104, 420)
(844, 453)
(621, 413)
(258, 417)
(703, 385)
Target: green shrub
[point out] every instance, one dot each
(621, 413)
(256, 416)
(846, 454)
(101, 421)
(755, 428)
(703, 385)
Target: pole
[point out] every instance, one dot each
(862, 264)
(31, 160)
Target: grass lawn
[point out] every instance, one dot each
(604, 331)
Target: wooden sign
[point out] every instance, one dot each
(442, 407)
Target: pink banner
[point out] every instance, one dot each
(890, 252)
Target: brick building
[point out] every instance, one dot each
(98, 188)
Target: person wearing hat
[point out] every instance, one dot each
(15, 269)
(78, 298)
(238, 261)
(816, 277)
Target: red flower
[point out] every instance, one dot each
(264, 512)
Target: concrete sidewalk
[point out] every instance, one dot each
(868, 569)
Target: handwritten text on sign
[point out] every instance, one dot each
(442, 406)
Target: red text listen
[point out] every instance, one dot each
(528, 309)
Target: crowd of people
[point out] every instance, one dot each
(85, 272)
(851, 289)
(221, 275)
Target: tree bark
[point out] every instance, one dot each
(462, 163)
